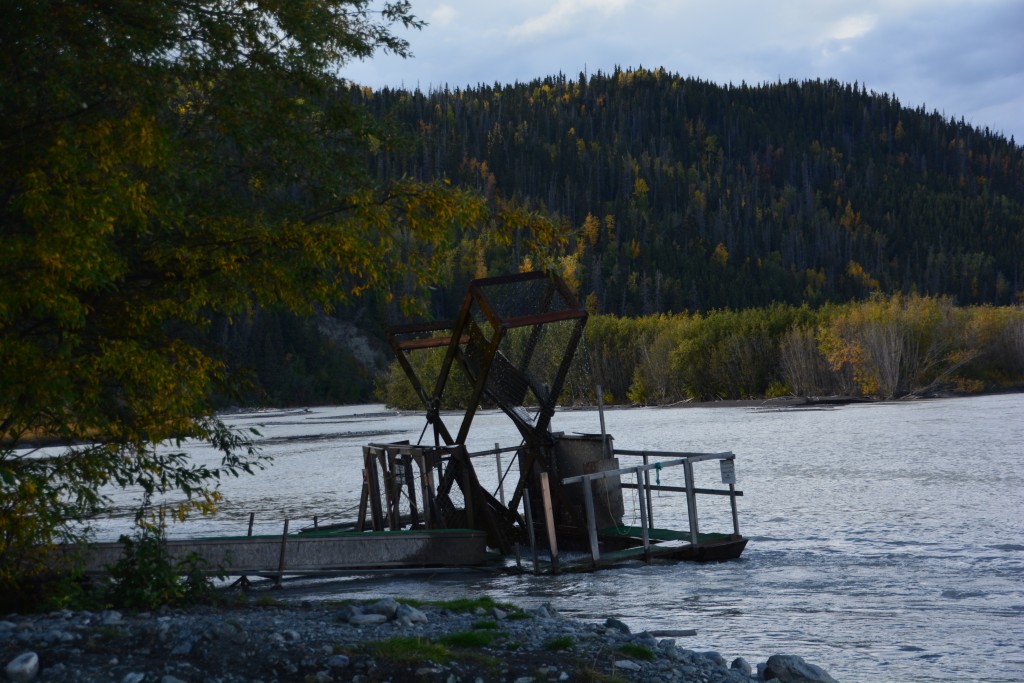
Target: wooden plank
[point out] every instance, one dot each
(543, 318)
(373, 484)
(411, 328)
(428, 343)
(549, 520)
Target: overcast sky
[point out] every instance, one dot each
(959, 57)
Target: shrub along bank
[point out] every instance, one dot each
(885, 347)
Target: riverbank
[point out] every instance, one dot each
(258, 639)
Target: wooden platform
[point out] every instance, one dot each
(312, 552)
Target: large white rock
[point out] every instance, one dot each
(23, 668)
(793, 669)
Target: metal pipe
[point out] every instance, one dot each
(691, 503)
(647, 485)
(588, 503)
(501, 477)
(529, 529)
(643, 515)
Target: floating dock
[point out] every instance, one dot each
(423, 505)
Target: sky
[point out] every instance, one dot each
(962, 58)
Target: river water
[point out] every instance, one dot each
(886, 540)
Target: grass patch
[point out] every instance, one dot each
(110, 632)
(637, 651)
(469, 639)
(341, 602)
(485, 624)
(588, 675)
(485, 603)
(560, 643)
(408, 650)
(467, 604)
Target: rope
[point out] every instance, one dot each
(657, 473)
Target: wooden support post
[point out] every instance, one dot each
(405, 462)
(530, 530)
(588, 503)
(243, 581)
(280, 562)
(642, 499)
(549, 520)
(373, 484)
(427, 485)
(387, 461)
(691, 502)
(364, 495)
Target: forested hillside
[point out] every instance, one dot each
(684, 195)
(680, 196)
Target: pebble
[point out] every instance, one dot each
(323, 643)
(338, 662)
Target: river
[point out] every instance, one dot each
(886, 539)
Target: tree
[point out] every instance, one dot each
(166, 163)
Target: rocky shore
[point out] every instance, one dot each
(384, 640)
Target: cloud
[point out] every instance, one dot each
(560, 15)
(850, 28)
(443, 15)
(961, 57)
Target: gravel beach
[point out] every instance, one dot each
(383, 640)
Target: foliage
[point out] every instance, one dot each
(146, 578)
(409, 650)
(469, 639)
(168, 164)
(900, 345)
(636, 651)
(884, 347)
(684, 195)
(485, 624)
(486, 603)
(393, 386)
(560, 643)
